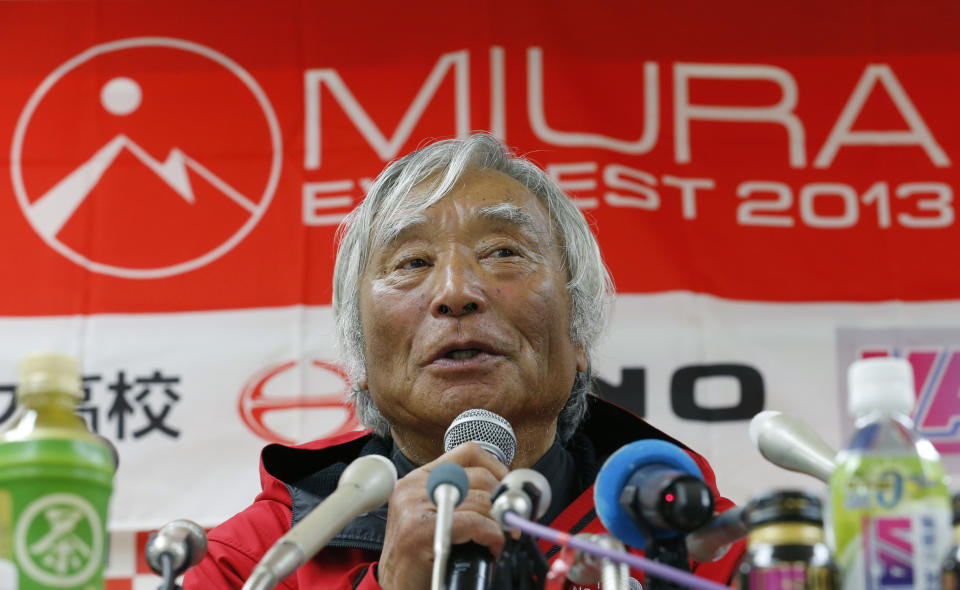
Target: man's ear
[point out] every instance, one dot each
(582, 363)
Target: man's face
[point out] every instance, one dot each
(468, 308)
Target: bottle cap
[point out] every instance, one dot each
(880, 383)
(46, 372)
(784, 506)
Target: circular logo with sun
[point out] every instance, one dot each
(145, 158)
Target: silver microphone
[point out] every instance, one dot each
(524, 492)
(712, 541)
(471, 565)
(180, 543)
(790, 443)
(490, 431)
(447, 486)
(365, 485)
(588, 569)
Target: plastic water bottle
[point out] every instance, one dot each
(950, 574)
(889, 514)
(55, 484)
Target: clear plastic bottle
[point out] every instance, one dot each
(55, 483)
(950, 574)
(889, 515)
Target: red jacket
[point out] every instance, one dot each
(291, 477)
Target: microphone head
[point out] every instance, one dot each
(489, 430)
(616, 472)
(759, 423)
(533, 484)
(790, 443)
(451, 474)
(373, 478)
(183, 540)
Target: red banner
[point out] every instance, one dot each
(172, 156)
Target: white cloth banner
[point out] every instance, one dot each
(189, 399)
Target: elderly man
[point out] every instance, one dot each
(466, 279)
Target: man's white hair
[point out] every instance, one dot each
(386, 209)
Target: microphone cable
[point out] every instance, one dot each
(565, 540)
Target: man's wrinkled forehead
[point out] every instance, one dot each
(409, 214)
(505, 213)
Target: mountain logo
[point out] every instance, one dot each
(146, 158)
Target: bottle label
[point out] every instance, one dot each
(901, 552)
(58, 540)
(8, 569)
(889, 522)
(790, 576)
(782, 577)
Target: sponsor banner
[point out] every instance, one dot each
(189, 426)
(164, 158)
(171, 181)
(190, 399)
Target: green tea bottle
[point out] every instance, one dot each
(55, 484)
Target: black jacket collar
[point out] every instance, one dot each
(310, 475)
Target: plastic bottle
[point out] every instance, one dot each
(785, 546)
(889, 514)
(950, 574)
(55, 484)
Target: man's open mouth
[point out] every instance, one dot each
(459, 355)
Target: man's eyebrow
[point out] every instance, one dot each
(508, 212)
(394, 229)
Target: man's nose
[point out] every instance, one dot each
(459, 290)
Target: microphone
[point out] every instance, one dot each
(365, 485)
(490, 431)
(588, 569)
(713, 540)
(471, 565)
(176, 547)
(790, 443)
(524, 492)
(447, 486)
(651, 488)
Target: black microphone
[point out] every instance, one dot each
(175, 548)
(471, 565)
(651, 489)
(649, 494)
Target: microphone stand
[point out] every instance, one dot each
(521, 565)
(470, 568)
(672, 552)
(169, 580)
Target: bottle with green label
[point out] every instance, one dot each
(55, 483)
(889, 515)
(950, 576)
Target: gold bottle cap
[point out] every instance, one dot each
(49, 372)
(779, 506)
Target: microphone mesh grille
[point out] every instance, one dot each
(486, 428)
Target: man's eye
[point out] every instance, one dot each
(413, 263)
(504, 252)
